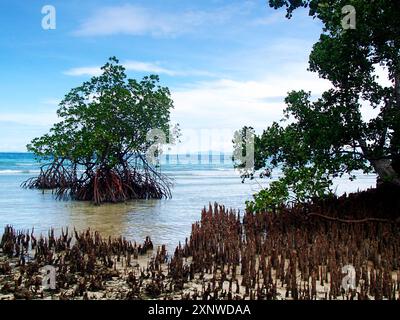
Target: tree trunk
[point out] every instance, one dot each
(385, 171)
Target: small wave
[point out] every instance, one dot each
(7, 172)
(27, 164)
(203, 173)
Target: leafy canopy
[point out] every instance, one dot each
(106, 118)
(98, 150)
(320, 139)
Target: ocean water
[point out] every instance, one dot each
(197, 180)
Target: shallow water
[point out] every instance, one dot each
(166, 221)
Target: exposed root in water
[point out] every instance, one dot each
(129, 179)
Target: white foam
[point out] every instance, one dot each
(13, 172)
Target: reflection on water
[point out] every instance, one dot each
(112, 219)
(166, 221)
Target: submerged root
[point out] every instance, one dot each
(101, 183)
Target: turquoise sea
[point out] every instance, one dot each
(198, 180)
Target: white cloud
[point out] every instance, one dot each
(126, 19)
(135, 20)
(147, 67)
(129, 65)
(226, 105)
(231, 100)
(139, 66)
(84, 71)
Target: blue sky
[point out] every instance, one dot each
(227, 63)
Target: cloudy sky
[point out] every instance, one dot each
(227, 63)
